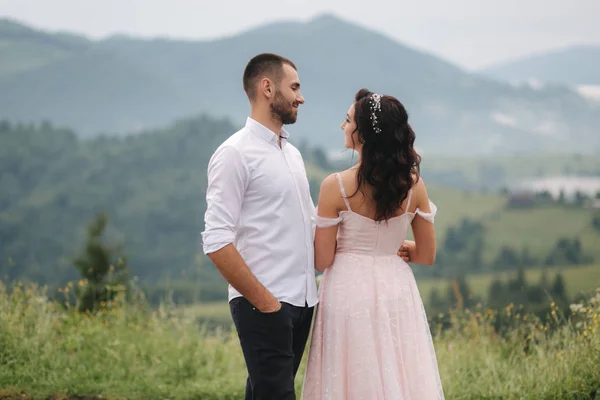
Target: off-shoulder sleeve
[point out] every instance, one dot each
(323, 222)
(428, 216)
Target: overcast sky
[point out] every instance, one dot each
(470, 33)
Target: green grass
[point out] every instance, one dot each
(124, 352)
(454, 205)
(579, 280)
(539, 229)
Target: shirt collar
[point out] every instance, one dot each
(265, 133)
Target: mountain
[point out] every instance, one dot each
(126, 84)
(571, 66)
(25, 49)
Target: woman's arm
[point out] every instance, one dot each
(423, 249)
(326, 238)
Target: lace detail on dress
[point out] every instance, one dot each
(430, 216)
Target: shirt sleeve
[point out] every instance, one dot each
(227, 181)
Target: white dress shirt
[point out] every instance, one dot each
(258, 198)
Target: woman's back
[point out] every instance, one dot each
(359, 232)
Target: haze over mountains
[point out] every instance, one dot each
(571, 66)
(122, 84)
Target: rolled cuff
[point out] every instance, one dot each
(215, 240)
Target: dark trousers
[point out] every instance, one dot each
(272, 344)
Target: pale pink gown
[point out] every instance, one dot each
(371, 339)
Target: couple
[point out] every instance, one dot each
(370, 338)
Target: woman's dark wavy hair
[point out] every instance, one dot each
(388, 160)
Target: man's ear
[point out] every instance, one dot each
(266, 87)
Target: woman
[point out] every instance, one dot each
(371, 338)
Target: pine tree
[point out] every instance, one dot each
(559, 288)
(100, 265)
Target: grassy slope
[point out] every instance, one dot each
(578, 280)
(538, 229)
(124, 353)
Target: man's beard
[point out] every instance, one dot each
(282, 111)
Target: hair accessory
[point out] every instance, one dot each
(375, 103)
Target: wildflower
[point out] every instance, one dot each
(576, 307)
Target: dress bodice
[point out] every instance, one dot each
(360, 234)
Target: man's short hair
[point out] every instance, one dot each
(265, 64)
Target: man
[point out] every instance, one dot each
(259, 230)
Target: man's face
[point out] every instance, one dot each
(284, 106)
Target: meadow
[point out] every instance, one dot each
(130, 351)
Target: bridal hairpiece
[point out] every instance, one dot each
(375, 103)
